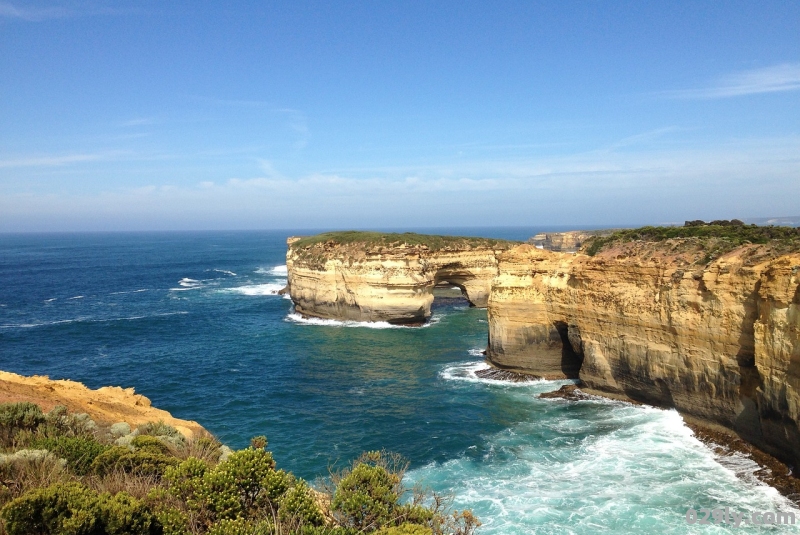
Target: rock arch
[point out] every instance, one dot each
(395, 286)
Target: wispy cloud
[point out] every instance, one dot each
(138, 121)
(744, 178)
(777, 78)
(33, 14)
(42, 13)
(57, 160)
(643, 138)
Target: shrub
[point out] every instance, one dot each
(58, 422)
(326, 530)
(169, 511)
(140, 463)
(125, 515)
(150, 444)
(406, 529)
(365, 498)
(245, 470)
(65, 508)
(240, 526)
(16, 417)
(72, 509)
(227, 491)
(163, 431)
(79, 452)
(298, 507)
(238, 487)
(173, 521)
(273, 487)
(259, 442)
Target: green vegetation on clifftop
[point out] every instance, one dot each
(719, 238)
(371, 239)
(61, 474)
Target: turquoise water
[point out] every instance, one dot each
(192, 321)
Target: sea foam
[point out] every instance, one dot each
(466, 372)
(257, 289)
(278, 271)
(297, 318)
(637, 470)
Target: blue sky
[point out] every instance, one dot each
(196, 115)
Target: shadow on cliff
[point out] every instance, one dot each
(571, 360)
(748, 421)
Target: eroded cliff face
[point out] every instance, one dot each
(718, 342)
(375, 283)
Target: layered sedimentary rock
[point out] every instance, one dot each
(106, 406)
(374, 282)
(658, 322)
(718, 341)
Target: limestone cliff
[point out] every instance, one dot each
(385, 277)
(708, 324)
(106, 406)
(718, 341)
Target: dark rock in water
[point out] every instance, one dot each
(570, 392)
(284, 290)
(504, 375)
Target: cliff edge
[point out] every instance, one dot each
(703, 324)
(106, 406)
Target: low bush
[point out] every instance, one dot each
(79, 451)
(137, 462)
(241, 526)
(366, 497)
(17, 417)
(59, 422)
(150, 444)
(74, 483)
(71, 508)
(406, 529)
(299, 507)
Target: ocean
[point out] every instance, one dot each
(193, 321)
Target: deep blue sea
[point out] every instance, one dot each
(193, 321)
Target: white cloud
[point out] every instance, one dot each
(777, 78)
(50, 160)
(748, 178)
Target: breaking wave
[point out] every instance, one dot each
(294, 317)
(278, 271)
(257, 289)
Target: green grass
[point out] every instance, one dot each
(433, 242)
(733, 235)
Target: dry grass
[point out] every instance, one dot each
(22, 474)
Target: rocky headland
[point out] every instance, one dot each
(702, 318)
(106, 406)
